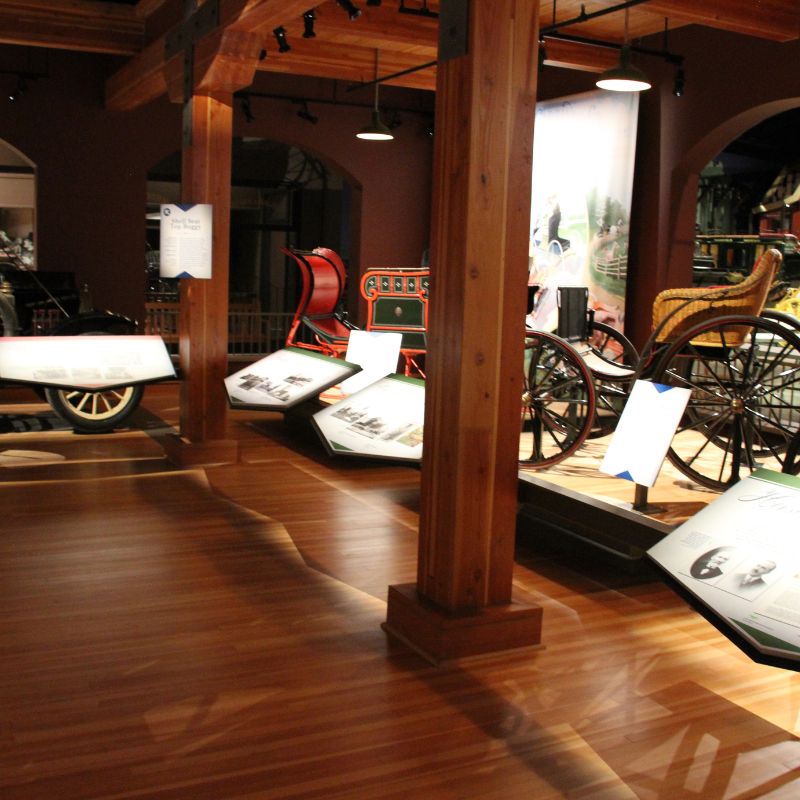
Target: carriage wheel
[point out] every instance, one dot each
(744, 409)
(610, 345)
(95, 412)
(558, 401)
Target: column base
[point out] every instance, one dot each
(438, 636)
(185, 453)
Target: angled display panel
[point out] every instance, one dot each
(740, 557)
(384, 420)
(285, 378)
(84, 362)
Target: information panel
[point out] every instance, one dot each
(740, 556)
(384, 420)
(644, 432)
(186, 237)
(84, 362)
(285, 378)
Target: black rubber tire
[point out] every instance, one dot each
(95, 412)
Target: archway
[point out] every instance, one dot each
(280, 196)
(686, 179)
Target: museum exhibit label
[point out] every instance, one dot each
(740, 557)
(645, 429)
(285, 378)
(186, 237)
(84, 362)
(384, 420)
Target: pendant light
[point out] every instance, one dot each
(625, 77)
(376, 131)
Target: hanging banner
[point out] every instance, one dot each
(583, 159)
(186, 236)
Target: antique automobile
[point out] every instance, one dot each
(50, 304)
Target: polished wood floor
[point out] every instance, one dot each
(214, 634)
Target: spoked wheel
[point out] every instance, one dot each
(94, 412)
(612, 365)
(558, 401)
(744, 410)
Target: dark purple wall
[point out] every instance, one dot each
(92, 164)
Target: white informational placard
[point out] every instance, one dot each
(384, 420)
(285, 378)
(740, 556)
(376, 352)
(186, 236)
(644, 432)
(84, 362)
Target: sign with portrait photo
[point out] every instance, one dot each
(740, 557)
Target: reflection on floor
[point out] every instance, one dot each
(215, 635)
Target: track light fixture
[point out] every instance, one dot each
(305, 114)
(246, 110)
(280, 38)
(625, 77)
(376, 131)
(680, 82)
(353, 11)
(18, 90)
(308, 24)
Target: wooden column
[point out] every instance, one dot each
(462, 602)
(206, 178)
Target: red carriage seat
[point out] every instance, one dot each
(323, 286)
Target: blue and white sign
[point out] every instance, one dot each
(644, 432)
(186, 237)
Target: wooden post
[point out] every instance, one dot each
(462, 602)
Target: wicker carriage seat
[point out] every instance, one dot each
(675, 311)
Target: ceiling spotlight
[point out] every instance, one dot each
(18, 90)
(246, 110)
(305, 114)
(280, 37)
(625, 77)
(308, 24)
(376, 131)
(680, 82)
(353, 11)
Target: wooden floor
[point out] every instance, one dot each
(215, 635)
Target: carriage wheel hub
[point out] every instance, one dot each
(737, 405)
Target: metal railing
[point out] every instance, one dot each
(251, 332)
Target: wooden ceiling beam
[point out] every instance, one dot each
(778, 20)
(82, 25)
(579, 56)
(320, 59)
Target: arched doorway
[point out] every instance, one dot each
(281, 196)
(749, 199)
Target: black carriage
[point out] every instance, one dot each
(742, 364)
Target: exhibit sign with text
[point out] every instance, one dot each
(84, 362)
(582, 187)
(644, 432)
(285, 378)
(740, 556)
(384, 420)
(186, 238)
